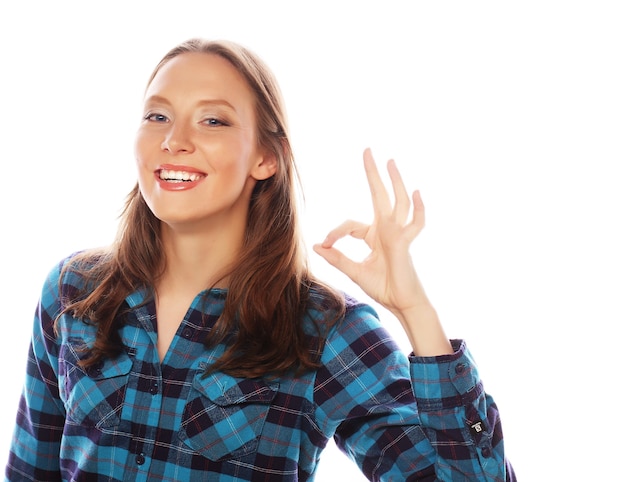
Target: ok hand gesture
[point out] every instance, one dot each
(387, 274)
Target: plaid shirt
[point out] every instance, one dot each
(134, 418)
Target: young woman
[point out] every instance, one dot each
(200, 347)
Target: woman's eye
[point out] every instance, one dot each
(212, 121)
(153, 117)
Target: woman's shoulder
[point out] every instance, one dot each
(358, 326)
(326, 303)
(360, 321)
(71, 269)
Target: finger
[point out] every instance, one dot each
(403, 202)
(337, 259)
(419, 215)
(347, 228)
(380, 198)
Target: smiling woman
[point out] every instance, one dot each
(508, 116)
(200, 343)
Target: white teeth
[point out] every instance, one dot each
(178, 176)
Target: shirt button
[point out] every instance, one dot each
(154, 388)
(460, 368)
(486, 451)
(140, 459)
(95, 371)
(187, 333)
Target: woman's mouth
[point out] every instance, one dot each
(178, 179)
(179, 176)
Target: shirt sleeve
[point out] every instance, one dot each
(421, 418)
(34, 450)
(460, 419)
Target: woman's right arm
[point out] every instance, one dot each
(34, 452)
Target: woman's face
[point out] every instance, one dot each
(196, 148)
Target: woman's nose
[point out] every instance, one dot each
(177, 140)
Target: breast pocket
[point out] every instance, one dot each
(224, 416)
(94, 396)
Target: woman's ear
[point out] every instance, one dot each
(265, 167)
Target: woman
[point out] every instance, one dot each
(200, 347)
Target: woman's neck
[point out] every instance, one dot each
(194, 262)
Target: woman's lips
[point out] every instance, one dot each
(178, 178)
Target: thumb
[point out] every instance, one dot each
(336, 258)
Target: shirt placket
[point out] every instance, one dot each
(147, 400)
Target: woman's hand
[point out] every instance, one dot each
(387, 274)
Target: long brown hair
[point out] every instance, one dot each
(269, 290)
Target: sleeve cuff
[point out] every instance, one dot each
(446, 379)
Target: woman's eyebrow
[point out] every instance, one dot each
(209, 102)
(158, 99)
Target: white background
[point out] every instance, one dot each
(508, 116)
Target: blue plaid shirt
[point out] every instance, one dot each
(134, 418)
